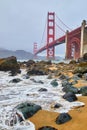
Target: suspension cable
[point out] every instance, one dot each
(63, 23)
(44, 31)
(60, 28)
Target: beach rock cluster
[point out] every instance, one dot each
(38, 68)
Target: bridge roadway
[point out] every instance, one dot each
(60, 40)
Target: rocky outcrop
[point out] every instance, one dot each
(38, 69)
(9, 64)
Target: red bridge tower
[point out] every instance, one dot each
(50, 35)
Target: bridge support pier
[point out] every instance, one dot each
(83, 47)
(76, 42)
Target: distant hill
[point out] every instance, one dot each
(22, 55)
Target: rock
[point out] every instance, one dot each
(70, 97)
(81, 68)
(74, 82)
(49, 76)
(15, 80)
(84, 76)
(62, 77)
(36, 71)
(9, 64)
(85, 57)
(41, 82)
(79, 75)
(72, 62)
(54, 83)
(30, 63)
(83, 91)
(28, 109)
(26, 76)
(42, 90)
(57, 105)
(47, 128)
(62, 118)
(67, 87)
(65, 83)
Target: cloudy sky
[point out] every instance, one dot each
(22, 22)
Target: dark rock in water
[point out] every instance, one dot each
(26, 76)
(42, 90)
(32, 79)
(41, 82)
(83, 90)
(47, 128)
(13, 73)
(62, 118)
(9, 64)
(15, 80)
(57, 105)
(28, 109)
(54, 83)
(70, 97)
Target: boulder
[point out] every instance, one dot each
(62, 118)
(47, 128)
(9, 64)
(54, 83)
(83, 91)
(28, 109)
(70, 97)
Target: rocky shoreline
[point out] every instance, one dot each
(73, 77)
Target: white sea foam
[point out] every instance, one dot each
(12, 94)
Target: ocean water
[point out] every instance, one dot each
(12, 94)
